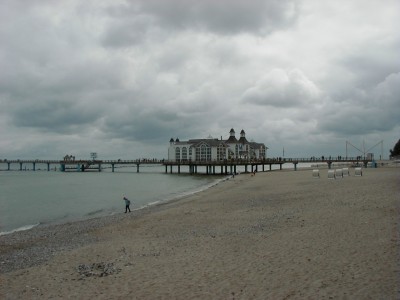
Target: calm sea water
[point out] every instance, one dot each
(29, 198)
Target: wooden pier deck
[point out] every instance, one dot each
(80, 165)
(250, 166)
(211, 167)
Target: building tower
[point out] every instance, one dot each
(232, 138)
(243, 139)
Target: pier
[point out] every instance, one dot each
(192, 167)
(73, 165)
(250, 166)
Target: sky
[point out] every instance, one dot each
(121, 78)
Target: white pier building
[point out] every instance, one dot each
(211, 149)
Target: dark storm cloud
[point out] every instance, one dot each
(369, 65)
(127, 31)
(60, 97)
(224, 16)
(155, 126)
(60, 117)
(130, 22)
(144, 117)
(150, 126)
(369, 111)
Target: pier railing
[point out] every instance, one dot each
(97, 165)
(229, 166)
(267, 160)
(75, 164)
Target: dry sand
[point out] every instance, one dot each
(276, 235)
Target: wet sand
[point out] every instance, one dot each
(276, 235)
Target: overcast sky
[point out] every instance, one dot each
(121, 78)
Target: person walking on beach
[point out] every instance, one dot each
(127, 203)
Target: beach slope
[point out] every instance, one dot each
(275, 235)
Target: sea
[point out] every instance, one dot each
(33, 198)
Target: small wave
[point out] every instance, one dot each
(205, 187)
(153, 203)
(92, 213)
(180, 195)
(26, 227)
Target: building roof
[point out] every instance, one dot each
(210, 142)
(243, 140)
(255, 145)
(196, 142)
(231, 139)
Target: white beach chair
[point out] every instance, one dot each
(331, 174)
(346, 172)
(339, 173)
(315, 173)
(358, 172)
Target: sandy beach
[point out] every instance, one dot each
(275, 235)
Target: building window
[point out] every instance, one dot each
(184, 153)
(221, 152)
(262, 152)
(203, 153)
(252, 153)
(177, 153)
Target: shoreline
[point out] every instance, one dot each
(68, 230)
(105, 212)
(273, 235)
(188, 193)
